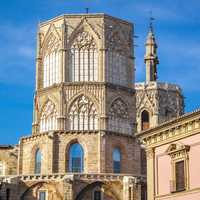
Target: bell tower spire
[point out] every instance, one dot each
(151, 58)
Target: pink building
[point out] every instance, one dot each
(173, 159)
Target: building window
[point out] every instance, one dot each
(76, 158)
(51, 63)
(180, 175)
(42, 195)
(118, 117)
(97, 195)
(179, 154)
(48, 119)
(83, 115)
(2, 170)
(116, 160)
(145, 120)
(84, 58)
(38, 162)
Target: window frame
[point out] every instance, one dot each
(46, 193)
(36, 171)
(84, 58)
(118, 170)
(143, 121)
(70, 159)
(179, 152)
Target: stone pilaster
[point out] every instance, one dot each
(68, 187)
(150, 173)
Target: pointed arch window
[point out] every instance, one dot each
(48, 119)
(76, 158)
(84, 58)
(51, 63)
(145, 120)
(119, 118)
(116, 160)
(38, 161)
(83, 115)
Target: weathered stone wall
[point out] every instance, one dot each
(9, 156)
(163, 101)
(130, 153)
(28, 148)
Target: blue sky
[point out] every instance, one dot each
(177, 29)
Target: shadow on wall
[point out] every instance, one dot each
(57, 191)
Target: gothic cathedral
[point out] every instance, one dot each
(87, 109)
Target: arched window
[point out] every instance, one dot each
(83, 115)
(48, 119)
(84, 58)
(38, 161)
(118, 117)
(116, 160)
(51, 64)
(76, 158)
(145, 120)
(2, 168)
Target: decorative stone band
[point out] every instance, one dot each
(78, 176)
(186, 125)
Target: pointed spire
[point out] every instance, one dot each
(151, 58)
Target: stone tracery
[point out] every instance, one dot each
(84, 58)
(48, 119)
(118, 117)
(83, 115)
(51, 62)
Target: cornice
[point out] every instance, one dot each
(181, 127)
(86, 15)
(50, 134)
(102, 84)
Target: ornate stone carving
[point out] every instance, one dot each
(119, 109)
(84, 40)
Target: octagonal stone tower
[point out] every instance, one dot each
(83, 143)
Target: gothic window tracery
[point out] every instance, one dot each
(83, 115)
(119, 118)
(48, 119)
(51, 63)
(84, 58)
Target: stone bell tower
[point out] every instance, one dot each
(151, 58)
(88, 55)
(156, 102)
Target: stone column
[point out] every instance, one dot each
(150, 173)
(63, 55)
(68, 187)
(131, 188)
(61, 118)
